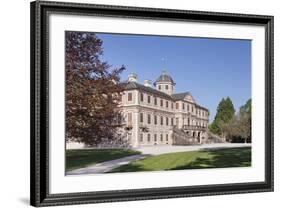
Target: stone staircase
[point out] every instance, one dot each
(181, 138)
(213, 138)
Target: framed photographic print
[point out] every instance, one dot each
(131, 103)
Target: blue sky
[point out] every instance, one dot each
(208, 68)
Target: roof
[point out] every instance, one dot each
(180, 96)
(165, 78)
(174, 97)
(135, 85)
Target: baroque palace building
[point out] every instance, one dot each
(155, 115)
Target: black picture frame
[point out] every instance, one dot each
(39, 189)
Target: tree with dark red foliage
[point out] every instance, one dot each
(92, 90)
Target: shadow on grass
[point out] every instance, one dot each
(132, 167)
(217, 158)
(234, 157)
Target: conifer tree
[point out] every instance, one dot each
(225, 112)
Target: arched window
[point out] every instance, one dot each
(141, 137)
(148, 98)
(141, 117)
(141, 97)
(148, 118)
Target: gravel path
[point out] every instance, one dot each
(106, 166)
(158, 150)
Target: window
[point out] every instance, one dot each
(167, 137)
(183, 106)
(155, 101)
(161, 137)
(148, 137)
(141, 137)
(167, 121)
(129, 117)
(172, 121)
(141, 97)
(177, 105)
(148, 118)
(155, 137)
(172, 105)
(187, 107)
(161, 120)
(161, 103)
(167, 104)
(166, 87)
(192, 109)
(155, 119)
(159, 87)
(130, 96)
(141, 117)
(148, 98)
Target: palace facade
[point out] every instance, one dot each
(156, 115)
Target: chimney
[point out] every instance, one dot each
(132, 77)
(147, 83)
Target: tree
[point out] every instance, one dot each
(244, 122)
(239, 127)
(225, 112)
(92, 90)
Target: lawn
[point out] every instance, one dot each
(220, 158)
(80, 158)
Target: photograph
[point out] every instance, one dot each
(133, 103)
(136, 103)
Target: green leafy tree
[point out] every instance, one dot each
(239, 127)
(92, 90)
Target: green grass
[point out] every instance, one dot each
(84, 157)
(221, 158)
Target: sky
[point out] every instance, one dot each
(210, 69)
